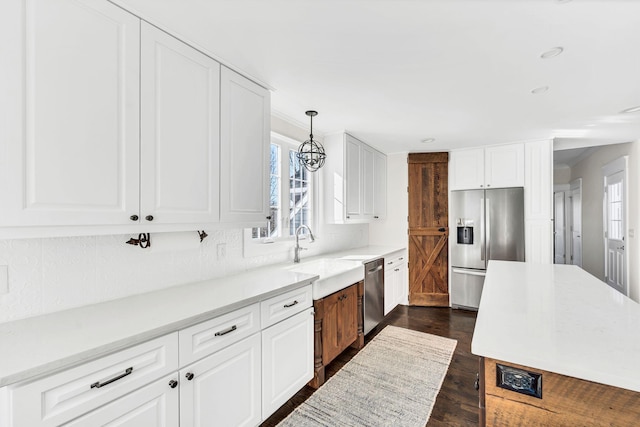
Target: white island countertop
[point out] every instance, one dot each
(561, 319)
(44, 344)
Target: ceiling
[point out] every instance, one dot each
(396, 72)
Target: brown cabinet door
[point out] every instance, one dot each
(428, 229)
(340, 322)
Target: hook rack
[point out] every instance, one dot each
(144, 239)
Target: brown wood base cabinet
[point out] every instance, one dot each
(339, 323)
(564, 401)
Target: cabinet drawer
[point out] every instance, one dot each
(282, 306)
(394, 259)
(59, 398)
(208, 337)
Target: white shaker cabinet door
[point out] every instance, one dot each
(180, 131)
(223, 389)
(368, 181)
(466, 169)
(244, 149)
(70, 94)
(504, 166)
(380, 186)
(353, 177)
(287, 360)
(153, 405)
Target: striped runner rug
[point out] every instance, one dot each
(392, 381)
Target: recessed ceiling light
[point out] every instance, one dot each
(428, 140)
(631, 110)
(551, 53)
(539, 90)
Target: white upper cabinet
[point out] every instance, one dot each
(466, 169)
(71, 91)
(497, 166)
(504, 166)
(180, 131)
(380, 186)
(245, 112)
(354, 179)
(113, 122)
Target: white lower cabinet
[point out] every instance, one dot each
(232, 370)
(287, 359)
(153, 405)
(224, 388)
(395, 280)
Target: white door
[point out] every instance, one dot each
(575, 205)
(559, 255)
(153, 405)
(72, 77)
(614, 232)
(224, 388)
(245, 114)
(353, 177)
(287, 360)
(180, 131)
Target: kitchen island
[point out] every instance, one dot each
(557, 347)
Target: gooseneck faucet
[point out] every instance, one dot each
(296, 257)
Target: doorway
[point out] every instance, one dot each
(615, 217)
(567, 221)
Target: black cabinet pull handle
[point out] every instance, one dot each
(291, 305)
(189, 376)
(173, 383)
(133, 217)
(476, 384)
(98, 384)
(226, 331)
(149, 217)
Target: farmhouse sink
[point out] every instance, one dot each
(335, 274)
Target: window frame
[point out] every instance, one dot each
(258, 246)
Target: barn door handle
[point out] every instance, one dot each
(442, 229)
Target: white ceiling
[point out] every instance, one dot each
(394, 72)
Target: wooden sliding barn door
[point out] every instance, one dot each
(428, 229)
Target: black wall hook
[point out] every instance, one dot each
(143, 240)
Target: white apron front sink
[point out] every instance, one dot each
(335, 274)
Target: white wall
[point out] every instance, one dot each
(392, 231)
(53, 274)
(561, 175)
(590, 170)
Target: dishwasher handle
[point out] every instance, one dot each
(374, 270)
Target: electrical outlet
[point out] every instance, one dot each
(222, 251)
(4, 279)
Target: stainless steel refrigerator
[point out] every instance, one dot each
(489, 224)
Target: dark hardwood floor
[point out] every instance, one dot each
(457, 402)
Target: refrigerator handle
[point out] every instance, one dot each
(487, 242)
(482, 229)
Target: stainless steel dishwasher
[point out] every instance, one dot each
(373, 294)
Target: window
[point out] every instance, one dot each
(290, 192)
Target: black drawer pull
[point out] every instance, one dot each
(226, 331)
(291, 305)
(98, 384)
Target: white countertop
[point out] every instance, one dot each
(44, 344)
(561, 319)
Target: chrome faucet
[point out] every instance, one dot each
(296, 257)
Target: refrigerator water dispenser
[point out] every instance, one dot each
(465, 235)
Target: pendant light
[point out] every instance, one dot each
(311, 153)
